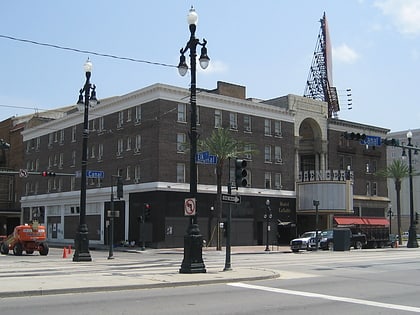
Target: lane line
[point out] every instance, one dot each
(327, 297)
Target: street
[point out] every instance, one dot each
(382, 281)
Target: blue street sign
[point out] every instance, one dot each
(201, 156)
(95, 174)
(205, 158)
(372, 141)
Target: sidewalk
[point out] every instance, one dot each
(31, 275)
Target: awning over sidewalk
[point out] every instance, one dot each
(361, 221)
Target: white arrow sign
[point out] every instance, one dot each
(231, 199)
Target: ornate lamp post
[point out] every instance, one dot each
(412, 233)
(81, 242)
(193, 261)
(267, 216)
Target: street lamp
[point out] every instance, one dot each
(193, 260)
(81, 241)
(316, 204)
(268, 215)
(390, 214)
(412, 233)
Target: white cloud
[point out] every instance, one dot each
(215, 66)
(345, 54)
(405, 15)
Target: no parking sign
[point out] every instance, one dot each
(190, 206)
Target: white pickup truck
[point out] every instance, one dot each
(306, 241)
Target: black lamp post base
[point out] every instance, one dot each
(81, 246)
(193, 251)
(412, 238)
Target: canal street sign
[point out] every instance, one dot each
(205, 158)
(231, 198)
(372, 141)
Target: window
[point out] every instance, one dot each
(267, 180)
(73, 158)
(345, 161)
(367, 188)
(50, 161)
(137, 118)
(37, 143)
(277, 128)
(92, 151)
(128, 173)
(267, 127)
(101, 123)
(120, 119)
(100, 151)
(247, 123)
(137, 174)
(50, 139)
(120, 146)
(371, 166)
(72, 183)
(73, 133)
(128, 144)
(267, 153)
(129, 115)
(247, 151)
(61, 160)
(233, 121)
(277, 154)
(92, 124)
(248, 178)
(180, 173)
(137, 145)
(181, 139)
(277, 181)
(217, 118)
(374, 191)
(182, 113)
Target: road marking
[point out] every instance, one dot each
(327, 297)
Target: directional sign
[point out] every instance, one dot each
(23, 173)
(231, 199)
(372, 141)
(205, 158)
(95, 174)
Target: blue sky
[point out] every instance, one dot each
(264, 45)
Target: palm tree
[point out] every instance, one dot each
(221, 144)
(397, 170)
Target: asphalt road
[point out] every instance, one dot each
(383, 281)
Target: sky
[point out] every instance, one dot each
(266, 46)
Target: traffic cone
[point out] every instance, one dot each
(64, 253)
(69, 250)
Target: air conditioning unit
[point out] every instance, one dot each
(136, 180)
(119, 153)
(278, 134)
(136, 150)
(279, 160)
(248, 128)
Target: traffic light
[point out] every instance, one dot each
(240, 173)
(147, 211)
(416, 221)
(354, 136)
(47, 174)
(393, 142)
(120, 191)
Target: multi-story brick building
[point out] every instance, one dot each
(301, 155)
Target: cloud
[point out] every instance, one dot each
(345, 54)
(405, 15)
(215, 66)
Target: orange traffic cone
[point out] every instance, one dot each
(69, 250)
(64, 253)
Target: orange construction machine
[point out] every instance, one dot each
(28, 238)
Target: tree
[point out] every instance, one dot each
(397, 171)
(221, 144)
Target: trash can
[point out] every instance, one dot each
(341, 239)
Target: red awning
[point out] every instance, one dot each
(361, 221)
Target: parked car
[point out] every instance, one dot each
(306, 241)
(327, 240)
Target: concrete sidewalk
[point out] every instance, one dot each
(31, 275)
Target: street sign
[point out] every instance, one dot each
(231, 198)
(190, 206)
(372, 141)
(205, 158)
(23, 173)
(95, 174)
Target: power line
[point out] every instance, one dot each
(28, 41)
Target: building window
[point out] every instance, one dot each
(180, 173)
(137, 146)
(120, 146)
(92, 151)
(61, 160)
(73, 133)
(374, 191)
(345, 161)
(128, 173)
(128, 144)
(267, 127)
(248, 152)
(277, 154)
(277, 128)
(92, 125)
(101, 123)
(367, 188)
(120, 119)
(73, 158)
(277, 181)
(129, 115)
(233, 121)
(137, 174)
(137, 119)
(50, 139)
(371, 166)
(267, 180)
(100, 151)
(181, 139)
(37, 143)
(217, 118)
(267, 153)
(247, 123)
(248, 178)
(72, 183)
(182, 113)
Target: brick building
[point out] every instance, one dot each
(301, 156)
